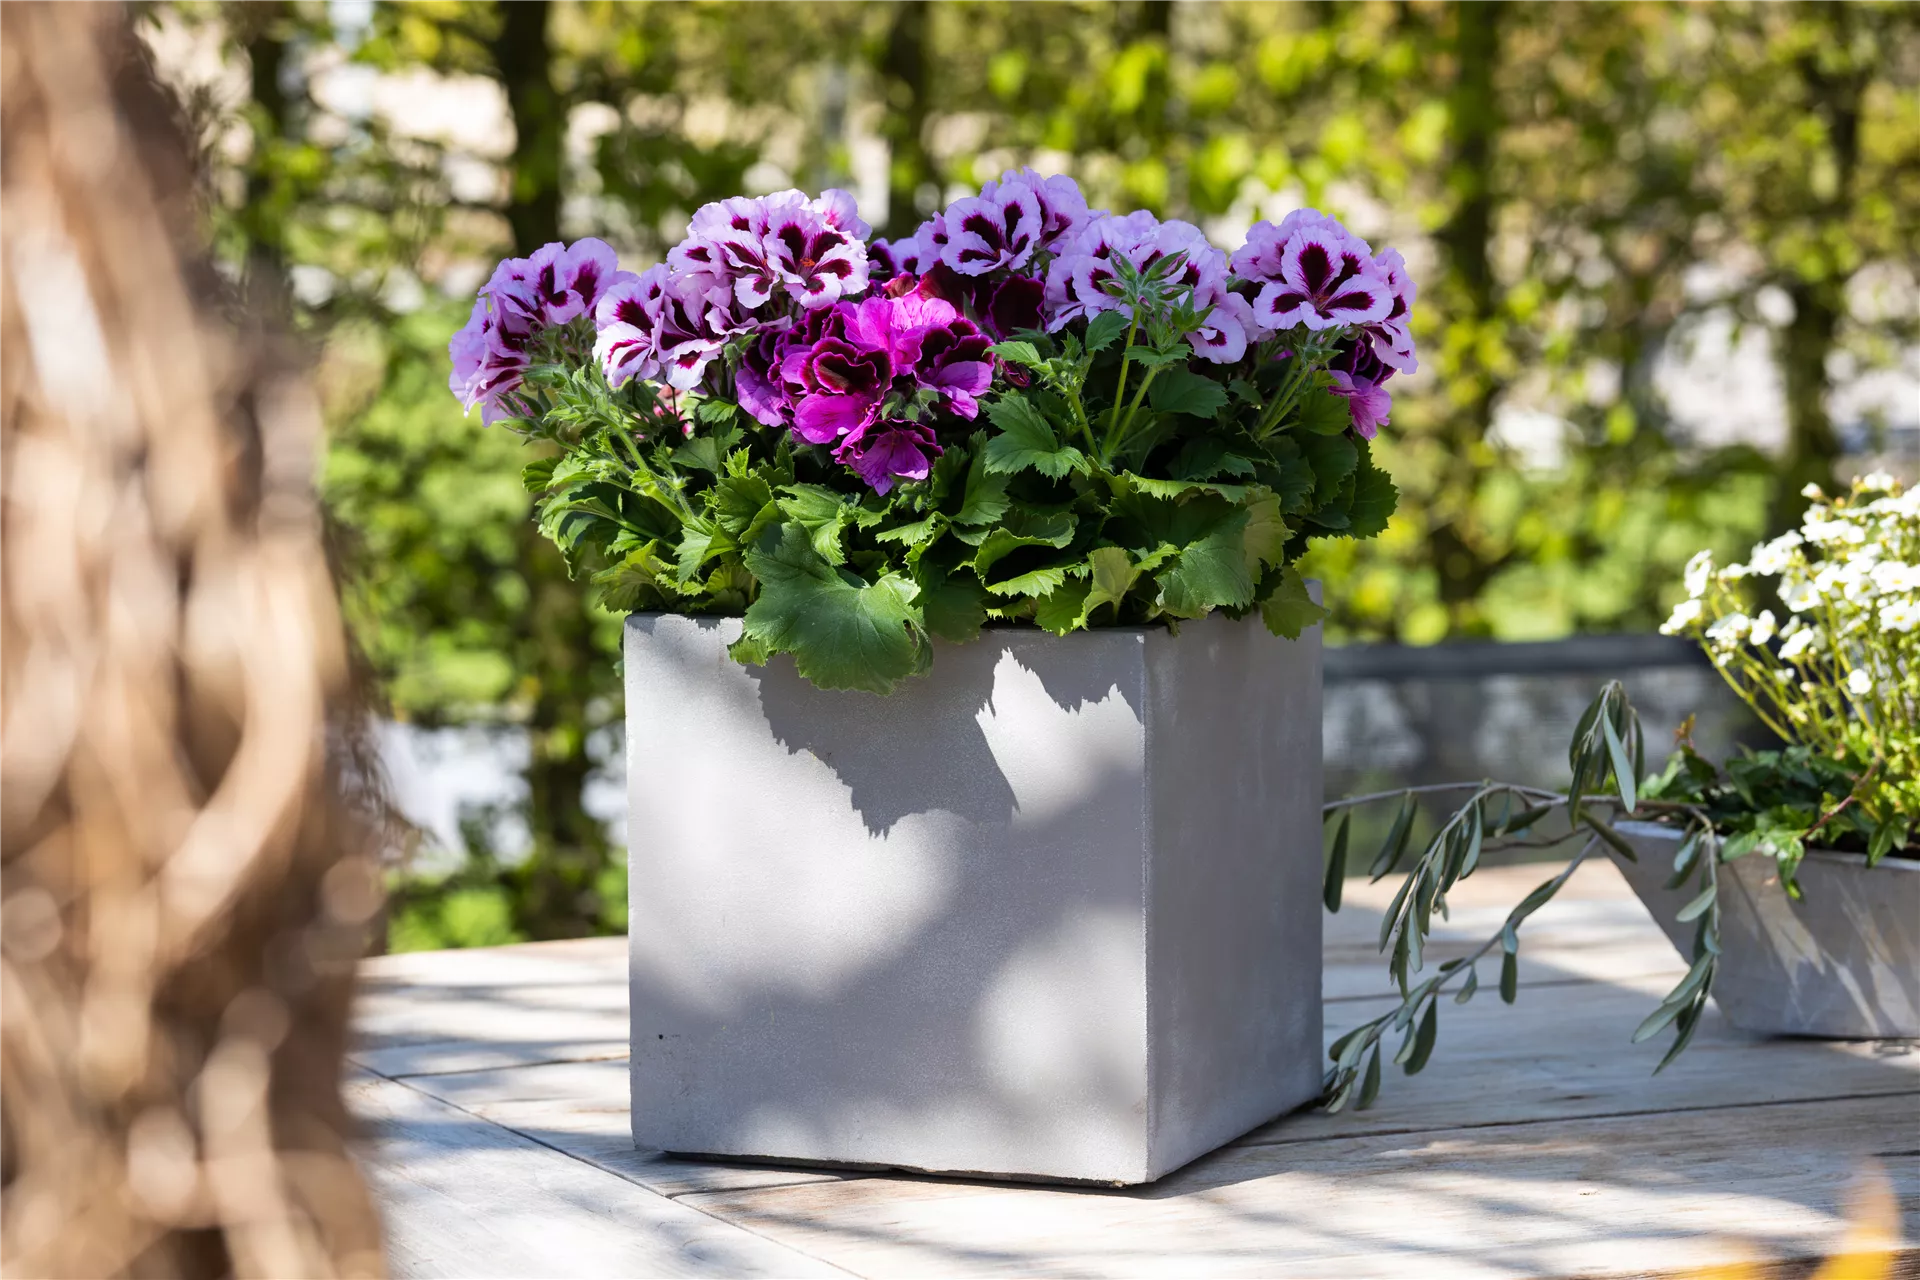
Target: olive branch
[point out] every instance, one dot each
(1607, 748)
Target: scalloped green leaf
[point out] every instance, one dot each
(843, 633)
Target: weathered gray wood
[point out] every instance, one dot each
(1536, 1143)
(463, 1198)
(581, 1108)
(1616, 1197)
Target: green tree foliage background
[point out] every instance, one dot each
(1575, 185)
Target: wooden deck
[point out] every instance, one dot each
(493, 1084)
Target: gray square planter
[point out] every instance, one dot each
(1051, 911)
(1843, 963)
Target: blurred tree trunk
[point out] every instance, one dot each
(903, 78)
(188, 878)
(261, 29)
(555, 885)
(1465, 241)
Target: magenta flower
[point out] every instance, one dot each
(889, 451)
(1359, 377)
(1015, 304)
(1312, 273)
(664, 327)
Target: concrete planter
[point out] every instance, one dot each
(1844, 963)
(1051, 911)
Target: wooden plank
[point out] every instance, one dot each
(581, 1108)
(436, 1011)
(464, 1198)
(1610, 1197)
(1566, 1053)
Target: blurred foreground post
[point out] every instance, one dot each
(185, 886)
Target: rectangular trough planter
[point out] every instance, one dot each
(1843, 963)
(1051, 911)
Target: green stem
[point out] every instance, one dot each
(1120, 391)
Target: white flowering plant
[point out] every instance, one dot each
(1835, 674)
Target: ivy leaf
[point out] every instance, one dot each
(1290, 610)
(1026, 440)
(986, 499)
(1184, 391)
(1111, 575)
(1211, 572)
(822, 514)
(1104, 330)
(843, 633)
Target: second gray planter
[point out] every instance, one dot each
(1050, 911)
(1843, 963)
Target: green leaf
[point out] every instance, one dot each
(1467, 988)
(843, 633)
(1619, 842)
(1026, 440)
(986, 497)
(1622, 765)
(749, 651)
(954, 608)
(1423, 1042)
(708, 453)
(1290, 610)
(1395, 846)
(1509, 977)
(1210, 573)
(1696, 908)
(1655, 1022)
(1111, 575)
(1022, 353)
(1689, 1020)
(1332, 458)
(1104, 330)
(697, 546)
(743, 506)
(1061, 610)
(913, 535)
(1323, 413)
(1336, 875)
(537, 476)
(1370, 1087)
(1267, 532)
(1374, 499)
(1042, 581)
(820, 512)
(1184, 391)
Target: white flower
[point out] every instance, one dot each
(1791, 628)
(1812, 491)
(1685, 614)
(1733, 573)
(1838, 530)
(1727, 632)
(1762, 627)
(1878, 481)
(1900, 615)
(1773, 557)
(1699, 573)
(1799, 643)
(1893, 577)
(1859, 683)
(1799, 595)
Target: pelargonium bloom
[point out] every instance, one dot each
(1009, 221)
(490, 356)
(663, 326)
(889, 451)
(1312, 273)
(1392, 337)
(811, 250)
(889, 259)
(1076, 278)
(1359, 375)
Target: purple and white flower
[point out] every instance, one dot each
(1392, 338)
(1009, 221)
(1359, 377)
(1312, 273)
(659, 326)
(1077, 278)
(490, 357)
(811, 250)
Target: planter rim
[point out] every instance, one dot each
(1662, 831)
